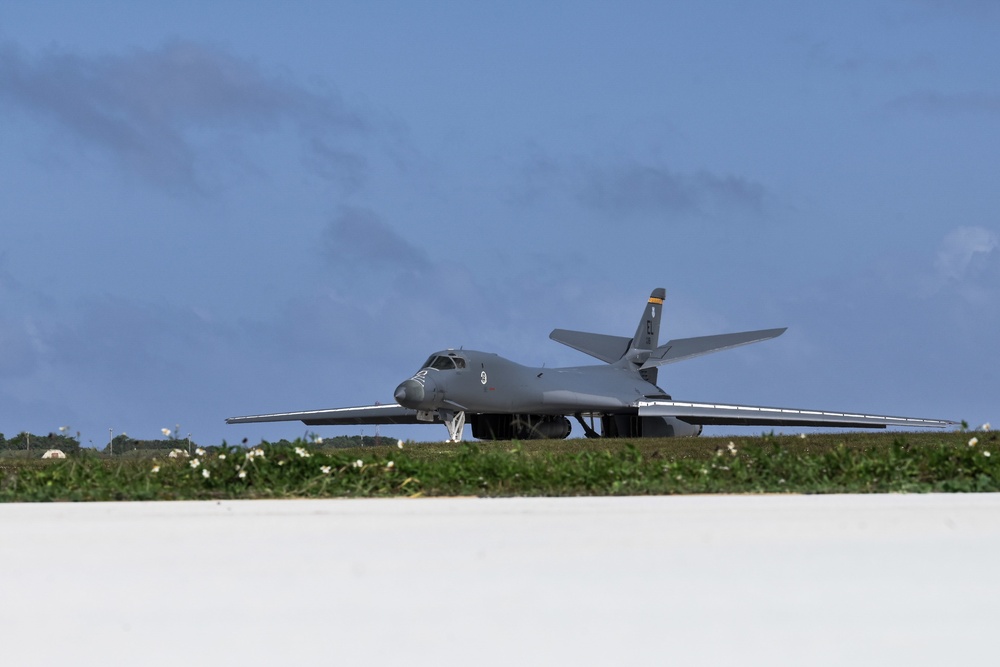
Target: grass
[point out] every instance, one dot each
(819, 463)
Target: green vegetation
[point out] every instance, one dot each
(822, 463)
(29, 445)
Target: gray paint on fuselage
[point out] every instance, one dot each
(510, 387)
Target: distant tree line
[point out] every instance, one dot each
(24, 441)
(71, 446)
(123, 444)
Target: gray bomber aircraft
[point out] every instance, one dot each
(504, 400)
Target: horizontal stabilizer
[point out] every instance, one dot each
(390, 413)
(606, 348)
(686, 348)
(749, 415)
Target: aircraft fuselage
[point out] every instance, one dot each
(487, 383)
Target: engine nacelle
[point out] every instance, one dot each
(549, 428)
(520, 427)
(634, 426)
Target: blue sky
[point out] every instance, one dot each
(252, 207)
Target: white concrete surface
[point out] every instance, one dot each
(708, 580)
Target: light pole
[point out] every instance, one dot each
(111, 442)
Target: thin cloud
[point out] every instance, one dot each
(153, 110)
(961, 277)
(977, 10)
(636, 188)
(964, 251)
(113, 337)
(7, 280)
(358, 236)
(344, 167)
(948, 104)
(823, 56)
(19, 348)
(639, 188)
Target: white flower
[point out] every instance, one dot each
(155, 469)
(199, 451)
(318, 440)
(222, 457)
(325, 469)
(731, 447)
(390, 465)
(172, 454)
(358, 464)
(802, 435)
(986, 453)
(205, 473)
(241, 474)
(165, 431)
(985, 427)
(399, 443)
(973, 441)
(254, 453)
(302, 452)
(194, 463)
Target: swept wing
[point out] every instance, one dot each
(722, 414)
(366, 414)
(752, 415)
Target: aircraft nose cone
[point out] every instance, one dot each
(409, 394)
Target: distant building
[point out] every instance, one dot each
(53, 454)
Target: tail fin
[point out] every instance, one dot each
(647, 334)
(613, 348)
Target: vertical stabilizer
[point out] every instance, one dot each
(647, 334)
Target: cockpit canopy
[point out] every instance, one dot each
(444, 361)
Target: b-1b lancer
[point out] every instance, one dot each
(503, 400)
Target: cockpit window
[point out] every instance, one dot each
(442, 362)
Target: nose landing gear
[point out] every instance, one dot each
(455, 421)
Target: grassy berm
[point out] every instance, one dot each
(819, 463)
